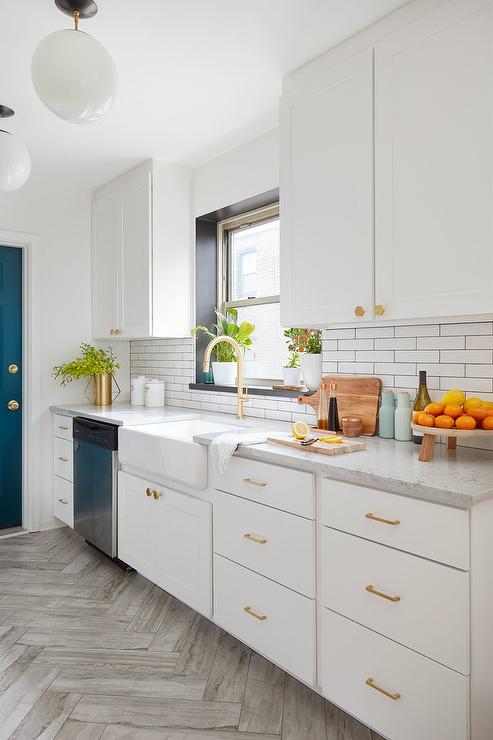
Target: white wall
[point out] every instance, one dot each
(242, 173)
(59, 212)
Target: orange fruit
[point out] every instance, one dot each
(453, 410)
(465, 422)
(416, 415)
(478, 412)
(489, 411)
(487, 422)
(472, 403)
(426, 420)
(435, 409)
(444, 422)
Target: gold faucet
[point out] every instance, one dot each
(242, 397)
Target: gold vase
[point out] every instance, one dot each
(102, 387)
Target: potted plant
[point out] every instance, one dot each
(224, 367)
(308, 342)
(99, 366)
(291, 372)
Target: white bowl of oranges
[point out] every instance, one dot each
(456, 412)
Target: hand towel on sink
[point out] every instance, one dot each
(223, 446)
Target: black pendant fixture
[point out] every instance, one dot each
(84, 8)
(5, 111)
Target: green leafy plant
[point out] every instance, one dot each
(227, 323)
(304, 340)
(294, 360)
(92, 361)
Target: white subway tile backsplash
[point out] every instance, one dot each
(479, 371)
(396, 343)
(426, 330)
(468, 330)
(395, 368)
(444, 369)
(355, 344)
(338, 356)
(356, 368)
(423, 355)
(375, 332)
(479, 342)
(474, 385)
(466, 355)
(441, 342)
(338, 334)
(383, 355)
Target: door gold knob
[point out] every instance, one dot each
(13, 369)
(379, 309)
(359, 311)
(13, 405)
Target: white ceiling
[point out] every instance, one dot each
(196, 77)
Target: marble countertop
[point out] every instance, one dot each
(123, 414)
(460, 478)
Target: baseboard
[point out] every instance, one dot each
(51, 523)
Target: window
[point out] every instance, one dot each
(249, 281)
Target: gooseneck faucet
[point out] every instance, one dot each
(241, 397)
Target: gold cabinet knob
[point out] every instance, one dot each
(13, 369)
(379, 309)
(156, 495)
(118, 332)
(13, 405)
(359, 311)
(148, 492)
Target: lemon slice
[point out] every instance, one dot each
(300, 429)
(331, 440)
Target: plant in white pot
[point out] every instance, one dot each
(291, 372)
(308, 342)
(224, 367)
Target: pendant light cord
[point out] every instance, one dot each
(76, 19)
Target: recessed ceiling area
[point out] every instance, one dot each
(196, 78)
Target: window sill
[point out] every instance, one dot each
(253, 390)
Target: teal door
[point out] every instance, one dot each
(10, 386)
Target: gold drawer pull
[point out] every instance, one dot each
(251, 538)
(63, 459)
(260, 617)
(373, 591)
(65, 429)
(63, 501)
(371, 683)
(253, 482)
(393, 522)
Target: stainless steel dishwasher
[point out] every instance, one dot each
(95, 483)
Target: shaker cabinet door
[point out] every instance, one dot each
(106, 265)
(327, 197)
(434, 166)
(140, 518)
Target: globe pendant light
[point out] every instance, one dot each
(72, 73)
(15, 161)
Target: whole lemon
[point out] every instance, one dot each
(455, 397)
(472, 403)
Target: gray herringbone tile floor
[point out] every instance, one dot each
(88, 651)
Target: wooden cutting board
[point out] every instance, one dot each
(356, 396)
(322, 448)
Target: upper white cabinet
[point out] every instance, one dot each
(327, 196)
(141, 254)
(434, 231)
(432, 150)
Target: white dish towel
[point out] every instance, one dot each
(224, 445)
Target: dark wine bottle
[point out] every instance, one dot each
(333, 411)
(420, 403)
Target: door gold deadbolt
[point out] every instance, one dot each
(13, 369)
(13, 405)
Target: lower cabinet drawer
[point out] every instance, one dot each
(400, 694)
(277, 622)
(416, 602)
(273, 543)
(63, 500)
(63, 457)
(62, 426)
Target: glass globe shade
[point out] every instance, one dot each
(74, 76)
(15, 162)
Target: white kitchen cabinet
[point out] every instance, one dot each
(63, 470)
(327, 197)
(141, 254)
(166, 536)
(434, 165)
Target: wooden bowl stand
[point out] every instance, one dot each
(431, 433)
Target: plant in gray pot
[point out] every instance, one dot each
(224, 367)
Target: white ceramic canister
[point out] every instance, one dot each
(154, 393)
(137, 391)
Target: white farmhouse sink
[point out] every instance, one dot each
(167, 450)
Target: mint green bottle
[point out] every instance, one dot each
(403, 418)
(386, 416)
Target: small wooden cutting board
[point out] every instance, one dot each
(322, 448)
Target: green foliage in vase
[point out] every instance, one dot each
(227, 324)
(294, 360)
(92, 361)
(304, 340)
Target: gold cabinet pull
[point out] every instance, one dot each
(379, 309)
(260, 617)
(63, 501)
(371, 683)
(13, 369)
(112, 331)
(359, 311)
(251, 538)
(392, 522)
(148, 492)
(372, 590)
(253, 482)
(65, 429)
(63, 459)
(156, 495)
(13, 405)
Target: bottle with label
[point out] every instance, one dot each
(386, 417)
(323, 407)
(420, 403)
(403, 417)
(333, 411)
